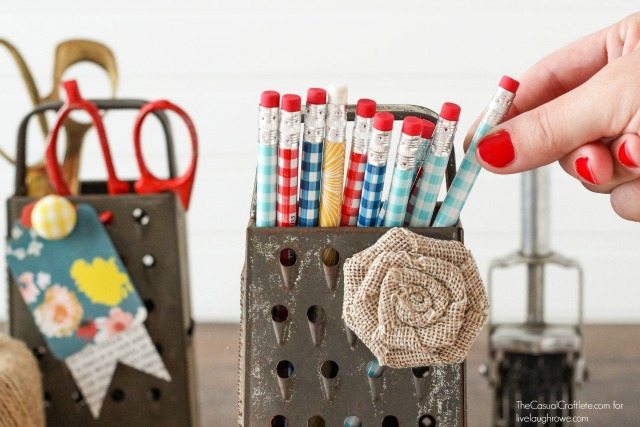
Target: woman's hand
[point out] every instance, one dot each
(580, 106)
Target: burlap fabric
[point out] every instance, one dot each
(20, 386)
(414, 301)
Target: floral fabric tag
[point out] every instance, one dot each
(77, 288)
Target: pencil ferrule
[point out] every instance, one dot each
(268, 125)
(361, 135)
(314, 119)
(379, 147)
(336, 122)
(443, 138)
(408, 150)
(498, 107)
(289, 130)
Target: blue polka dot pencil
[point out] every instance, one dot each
(266, 172)
(403, 172)
(435, 165)
(462, 184)
(375, 170)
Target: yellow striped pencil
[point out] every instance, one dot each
(333, 157)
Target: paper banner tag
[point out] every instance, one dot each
(82, 300)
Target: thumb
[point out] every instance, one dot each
(601, 107)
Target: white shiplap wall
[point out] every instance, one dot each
(214, 58)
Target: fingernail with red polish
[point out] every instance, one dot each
(625, 157)
(584, 170)
(496, 149)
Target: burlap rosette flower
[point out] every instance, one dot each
(413, 300)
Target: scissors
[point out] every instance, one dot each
(67, 54)
(148, 183)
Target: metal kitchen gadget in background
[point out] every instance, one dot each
(534, 360)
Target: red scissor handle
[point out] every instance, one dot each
(76, 102)
(148, 182)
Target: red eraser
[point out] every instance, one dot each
(509, 84)
(383, 121)
(450, 111)
(290, 103)
(412, 126)
(270, 99)
(427, 128)
(366, 108)
(316, 96)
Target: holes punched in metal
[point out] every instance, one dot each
(330, 264)
(284, 369)
(287, 261)
(155, 394)
(330, 257)
(427, 421)
(117, 395)
(316, 314)
(352, 421)
(148, 260)
(390, 421)
(329, 369)
(374, 370)
(316, 421)
(140, 216)
(288, 257)
(420, 372)
(40, 352)
(279, 313)
(77, 397)
(279, 421)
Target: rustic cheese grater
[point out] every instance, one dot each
(150, 234)
(299, 365)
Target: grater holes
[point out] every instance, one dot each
(329, 369)
(155, 394)
(420, 372)
(316, 421)
(77, 397)
(427, 421)
(279, 313)
(279, 421)
(117, 395)
(284, 369)
(316, 314)
(140, 216)
(288, 257)
(148, 260)
(330, 257)
(352, 421)
(390, 421)
(40, 352)
(374, 370)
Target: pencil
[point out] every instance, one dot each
(435, 166)
(375, 170)
(288, 141)
(427, 133)
(333, 158)
(403, 171)
(466, 175)
(311, 163)
(266, 176)
(365, 110)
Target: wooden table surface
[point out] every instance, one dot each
(613, 358)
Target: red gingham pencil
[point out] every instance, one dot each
(365, 110)
(289, 134)
(353, 189)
